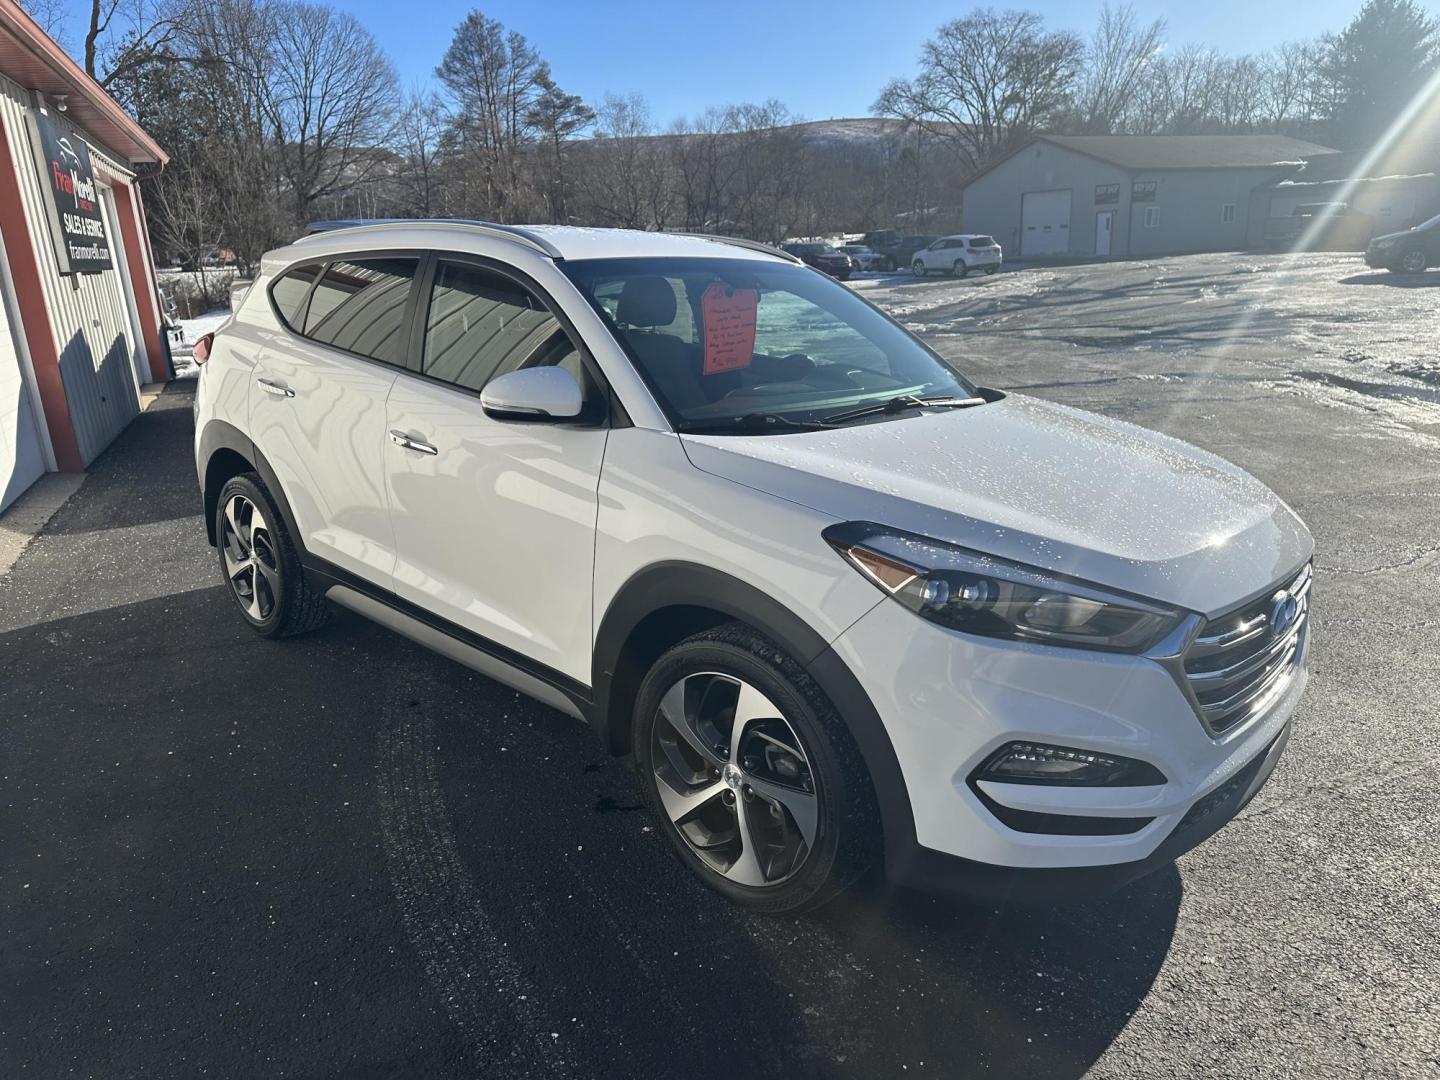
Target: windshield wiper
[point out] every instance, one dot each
(754, 423)
(900, 404)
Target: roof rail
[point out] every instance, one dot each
(750, 245)
(509, 232)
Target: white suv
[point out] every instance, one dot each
(958, 255)
(843, 607)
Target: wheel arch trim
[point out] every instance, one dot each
(682, 586)
(220, 435)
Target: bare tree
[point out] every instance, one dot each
(627, 174)
(330, 101)
(986, 79)
(52, 15)
(417, 139)
(1118, 60)
(123, 36)
(1240, 94)
(1286, 69)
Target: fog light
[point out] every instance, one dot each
(1036, 763)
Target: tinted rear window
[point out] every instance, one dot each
(359, 306)
(290, 292)
(982, 241)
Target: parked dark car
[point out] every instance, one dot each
(823, 257)
(1332, 226)
(886, 244)
(1409, 252)
(906, 250)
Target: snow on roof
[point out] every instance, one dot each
(1355, 180)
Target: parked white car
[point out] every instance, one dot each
(862, 256)
(842, 606)
(958, 255)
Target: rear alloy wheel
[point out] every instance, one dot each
(1414, 261)
(260, 564)
(247, 547)
(758, 785)
(960, 269)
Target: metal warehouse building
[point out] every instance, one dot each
(1127, 195)
(80, 323)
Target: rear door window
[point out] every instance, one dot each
(359, 306)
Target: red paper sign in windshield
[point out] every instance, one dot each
(729, 316)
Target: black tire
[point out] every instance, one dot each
(918, 269)
(1413, 262)
(990, 270)
(847, 841)
(960, 269)
(293, 607)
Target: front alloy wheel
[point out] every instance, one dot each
(1413, 261)
(918, 268)
(252, 565)
(734, 779)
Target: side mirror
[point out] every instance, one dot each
(540, 393)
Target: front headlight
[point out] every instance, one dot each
(979, 594)
(1381, 245)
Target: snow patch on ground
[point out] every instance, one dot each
(191, 331)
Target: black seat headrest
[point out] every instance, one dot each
(646, 301)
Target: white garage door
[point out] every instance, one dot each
(21, 459)
(1045, 223)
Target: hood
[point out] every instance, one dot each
(1041, 484)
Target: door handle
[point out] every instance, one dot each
(278, 389)
(399, 438)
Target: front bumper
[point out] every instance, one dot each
(948, 701)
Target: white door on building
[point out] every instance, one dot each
(1045, 223)
(22, 459)
(1104, 223)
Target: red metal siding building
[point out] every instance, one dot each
(80, 323)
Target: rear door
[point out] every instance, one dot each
(317, 410)
(494, 520)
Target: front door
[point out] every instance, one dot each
(494, 520)
(317, 408)
(1104, 222)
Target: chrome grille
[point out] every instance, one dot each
(1238, 665)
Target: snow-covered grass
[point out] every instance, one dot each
(192, 331)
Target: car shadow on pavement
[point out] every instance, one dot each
(1394, 281)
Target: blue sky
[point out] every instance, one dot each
(823, 59)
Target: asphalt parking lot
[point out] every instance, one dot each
(343, 856)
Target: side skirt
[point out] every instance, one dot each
(490, 658)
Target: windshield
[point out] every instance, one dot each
(718, 339)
